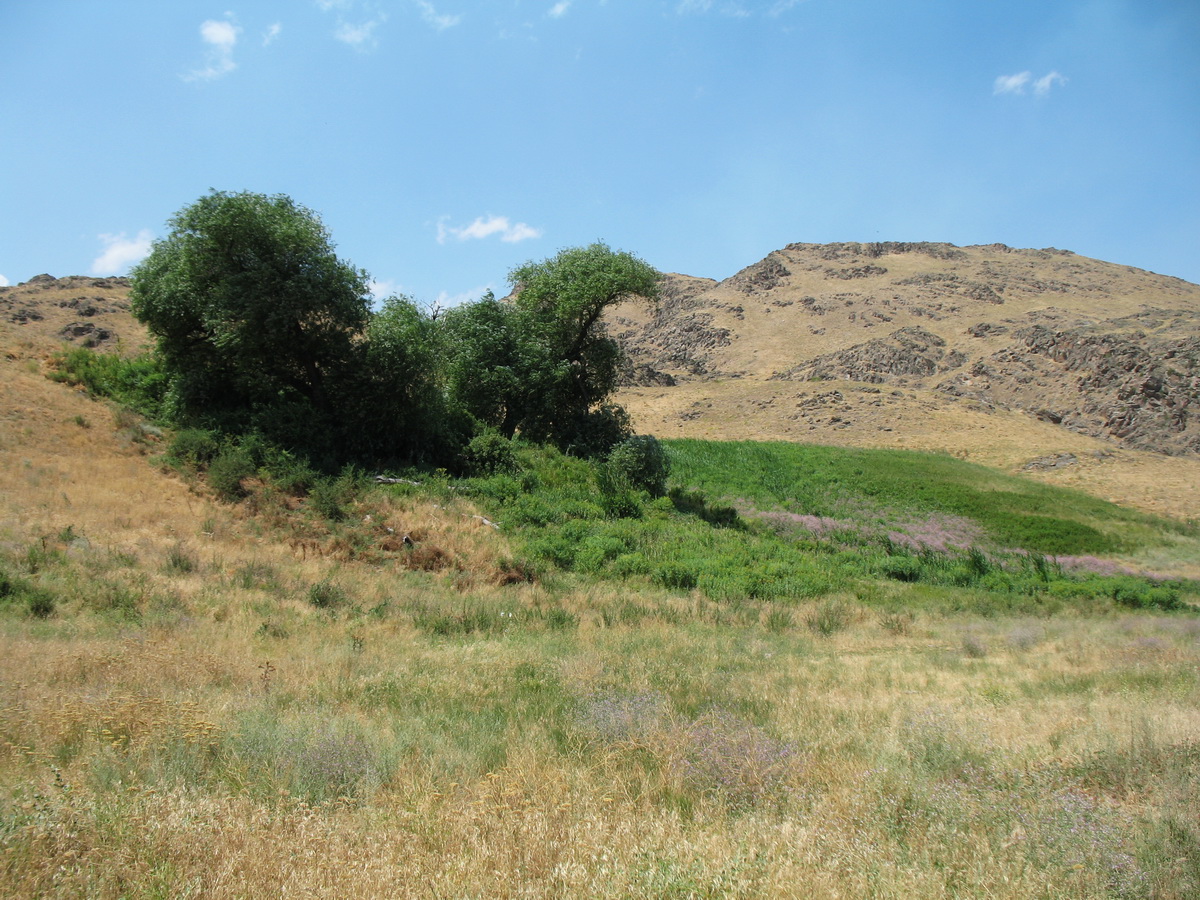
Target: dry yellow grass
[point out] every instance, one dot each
(881, 799)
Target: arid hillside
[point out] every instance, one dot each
(1081, 371)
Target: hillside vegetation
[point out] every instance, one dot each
(676, 668)
(237, 699)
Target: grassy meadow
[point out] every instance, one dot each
(802, 672)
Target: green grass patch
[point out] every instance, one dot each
(875, 487)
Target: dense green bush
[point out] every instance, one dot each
(194, 447)
(490, 453)
(228, 470)
(642, 463)
(139, 383)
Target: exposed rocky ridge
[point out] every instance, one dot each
(1143, 392)
(908, 351)
(1092, 347)
(90, 312)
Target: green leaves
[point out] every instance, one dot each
(249, 304)
(560, 303)
(261, 329)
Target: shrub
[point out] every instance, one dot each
(226, 472)
(742, 764)
(329, 497)
(1138, 594)
(139, 383)
(974, 645)
(675, 576)
(490, 454)
(619, 501)
(830, 617)
(41, 603)
(181, 560)
(901, 568)
(326, 595)
(194, 447)
(642, 463)
(325, 498)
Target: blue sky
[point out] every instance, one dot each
(444, 142)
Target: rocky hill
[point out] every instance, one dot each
(1012, 357)
(47, 312)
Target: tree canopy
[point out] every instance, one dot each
(252, 309)
(562, 300)
(262, 329)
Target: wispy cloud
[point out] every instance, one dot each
(731, 8)
(509, 232)
(1016, 84)
(1046, 82)
(558, 10)
(221, 36)
(360, 36)
(271, 33)
(121, 252)
(434, 19)
(356, 22)
(381, 290)
(3, 281)
(1012, 84)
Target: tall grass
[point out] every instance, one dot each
(866, 486)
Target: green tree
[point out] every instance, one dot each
(490, 364)
(256, 318)
(401, 411)
(561, 302)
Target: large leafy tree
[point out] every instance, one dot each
(562, 301)
(257, 320)
(492, 366)
(402, 413)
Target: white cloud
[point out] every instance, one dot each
(359, 30)
(381, 290)
(3, 281)
(1012, 84)
(520, 232)
(121, 252)
(1016, 84)
(434, 19)
(360, 37)
(558, 10)
(481, 228)
(1042, 86)
(271, 33)
(221, 37)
